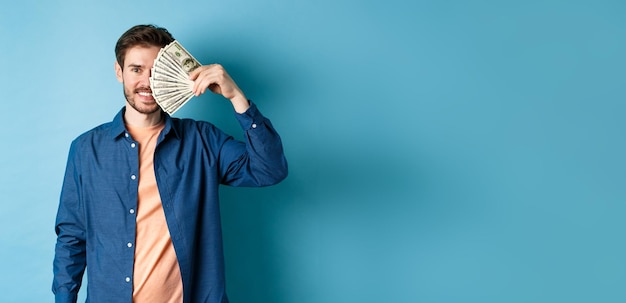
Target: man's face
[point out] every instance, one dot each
(135, 77)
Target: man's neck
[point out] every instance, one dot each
(135, 118)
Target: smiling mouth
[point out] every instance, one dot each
(145, 94)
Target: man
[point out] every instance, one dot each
(139, 204)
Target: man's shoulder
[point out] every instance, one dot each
(188, 124)
(190, 129)
(187, 121)
(103, 129)
(109, 129)
(92, 140)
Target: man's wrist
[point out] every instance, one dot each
(240, 103)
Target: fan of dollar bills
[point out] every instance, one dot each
(170, 84)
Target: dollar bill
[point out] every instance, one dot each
(181, 56)
(163, 80)
(179, 101)
(169, 81)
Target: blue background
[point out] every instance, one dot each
(440, 151)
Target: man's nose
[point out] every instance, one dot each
(145, 79)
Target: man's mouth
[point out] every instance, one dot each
(145, 94)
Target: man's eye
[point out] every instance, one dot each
(135, 70)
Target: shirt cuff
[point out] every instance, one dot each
(251, 118)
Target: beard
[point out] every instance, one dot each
(129, 94)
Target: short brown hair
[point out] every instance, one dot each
(144, 35)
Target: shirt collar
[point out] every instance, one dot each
(118, 128)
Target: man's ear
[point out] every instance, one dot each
(118, 72)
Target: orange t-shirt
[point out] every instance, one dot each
(156, 271)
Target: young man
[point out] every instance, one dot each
(139, 204)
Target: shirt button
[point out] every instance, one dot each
(253, 125)
(126, 135)
(132, 145)
(133, 177)
(132, 211)
(129, 244)
(127, 279)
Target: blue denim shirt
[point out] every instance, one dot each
(95, 223)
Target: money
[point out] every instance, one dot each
(169, 81)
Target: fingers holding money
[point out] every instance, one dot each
(177, 76)
(215, 78)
